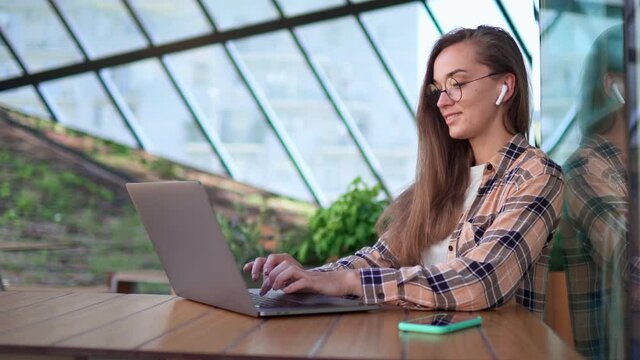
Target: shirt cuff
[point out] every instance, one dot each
(379, 285)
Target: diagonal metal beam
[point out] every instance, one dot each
(270, 116)
(197, 41)
(198, 115)
(39, 92)
(116, 100)
(339, 107)
(514, 30)
(432, 17)
(386, 64)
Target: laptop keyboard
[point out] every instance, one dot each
(268, 302)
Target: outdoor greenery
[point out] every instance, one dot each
(345, 226)
(100, 232)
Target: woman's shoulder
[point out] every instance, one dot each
(534, 162)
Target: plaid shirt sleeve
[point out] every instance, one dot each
(488, 274)
(368, 257)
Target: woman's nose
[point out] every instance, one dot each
(444, 100)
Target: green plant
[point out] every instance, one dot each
(243, 238)
(347, 225)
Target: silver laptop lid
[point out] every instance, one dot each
(180, 223)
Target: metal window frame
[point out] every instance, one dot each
(197, 115)
(43, 98)
(339, 107)
(269, 115)
(116, 100)
(225, 38)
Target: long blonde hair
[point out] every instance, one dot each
(430, 208)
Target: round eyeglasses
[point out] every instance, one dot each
(452, 88)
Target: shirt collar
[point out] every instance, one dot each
(508, 154)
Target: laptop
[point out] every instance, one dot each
(186, 236)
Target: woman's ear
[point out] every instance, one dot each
(510, 81)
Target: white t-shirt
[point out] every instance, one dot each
(437, 253)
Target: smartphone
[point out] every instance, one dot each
(440, 323)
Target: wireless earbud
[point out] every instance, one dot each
(503, 92)
(616, 93)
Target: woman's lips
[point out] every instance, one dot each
(449, 118)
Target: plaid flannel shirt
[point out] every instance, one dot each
(499, 249)
(593, 232)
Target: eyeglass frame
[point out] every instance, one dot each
(433, 89)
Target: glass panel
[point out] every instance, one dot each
(82, 104)
(407, 34)
(37, 34)
(305, 113)
(561, 77)
(24, 99)
(522, 15)
(8, 66)
(104, 26)
(161, 114)
(168, 20)
(297, 7)
(353, 69)
(582, 67)
(476, 12)
(233, 14)
(233, 114)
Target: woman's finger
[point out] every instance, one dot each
(258, 263)
(248, 266)
(299, 285)
(287, 275)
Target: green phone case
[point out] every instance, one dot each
(432, 329)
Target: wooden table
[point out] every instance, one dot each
(71, 325)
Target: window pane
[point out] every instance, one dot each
(521, 14)
(105, 26)
(8, 65)
(168, 20)
(476, 12)
(160, 113)
(233, 114)
(82, 104)
(24, 99)
(407, 35)
(37, 34)
(297, 7)
(354, 71)
(233, 14)
(305, 113)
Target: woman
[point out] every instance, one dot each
(458, 238)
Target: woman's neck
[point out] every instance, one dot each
(488, 144)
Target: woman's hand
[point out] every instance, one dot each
(265, 266)
(333, 283)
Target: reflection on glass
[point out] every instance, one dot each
(24, 99)
(83, 105)
(304, 111)
(231, 112)
(594, 227)
(8, 66)
(367, 91)
(297, 7)
(161, 114)
(233, 14)
(569, 41)
(104, 26)
(406, 34)
(37, 34)
(168, 20)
